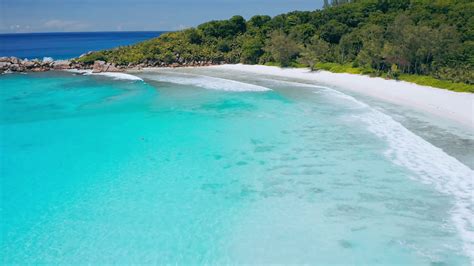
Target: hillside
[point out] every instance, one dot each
(420, 40)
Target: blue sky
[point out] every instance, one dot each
(112, 15)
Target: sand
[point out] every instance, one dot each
(455, 106)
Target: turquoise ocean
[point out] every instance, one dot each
(210, 166)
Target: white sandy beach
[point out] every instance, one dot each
(455, 106)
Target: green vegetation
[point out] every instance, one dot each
(338, 68)
(418, 79)
(429, 42)
(444, 84)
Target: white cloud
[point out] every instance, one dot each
(65, 25)
(16, 28)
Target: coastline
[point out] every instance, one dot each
(455, 106)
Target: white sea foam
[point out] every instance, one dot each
(429, 164)
(206, 82)
(78, 71)
(114, 75)
(8, 71)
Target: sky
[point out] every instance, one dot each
(132, 15)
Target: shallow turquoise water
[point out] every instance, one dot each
(176, 170)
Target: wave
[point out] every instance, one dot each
(114, 75)
(206, 82)
(293, 83)
(430, 165)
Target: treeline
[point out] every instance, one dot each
(385, 37)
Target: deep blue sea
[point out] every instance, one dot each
(64, 45)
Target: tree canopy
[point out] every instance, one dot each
(424, 37)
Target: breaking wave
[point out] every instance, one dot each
(114, 75)
(206, 82)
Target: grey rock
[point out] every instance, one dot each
(61, 64)
(101, 66)
(29, 64)
(16, 67)
(4, 65)
(15, 60)
(98, 67)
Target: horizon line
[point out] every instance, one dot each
(109, 31)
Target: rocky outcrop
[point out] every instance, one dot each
(6, 63)
(13, 64)
(101, 66)
(61, 64)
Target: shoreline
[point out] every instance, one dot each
(454, 106)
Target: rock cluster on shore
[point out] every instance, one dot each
(101, 66)
(13, 64)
